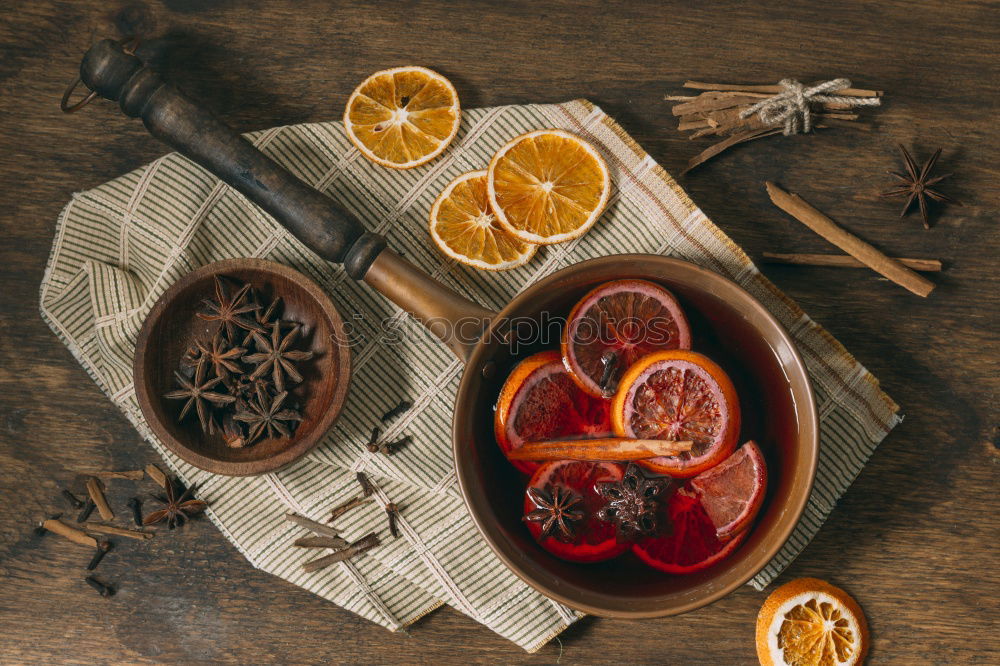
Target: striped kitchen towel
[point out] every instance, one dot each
(120, 245)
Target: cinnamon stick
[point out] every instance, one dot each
(71, 533)
(338, 511)
(844, 261)
(131, 474)
(798, 208)
(717, 148)
(101, 528)
(312, 525)
(156, 474)
(774, 89)
(614, 449)
(361, 545)
(320, 542)
(96, 491)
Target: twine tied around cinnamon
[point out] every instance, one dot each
(791, 105)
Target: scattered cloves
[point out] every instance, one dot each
(102, 549)
(392, 511)
(388, 448)
(73, 500)
(104, 590)
(396, 411)
(135, 504)
(366, 485)
(372, 444)
(88, 508)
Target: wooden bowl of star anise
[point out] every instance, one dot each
(242, 366)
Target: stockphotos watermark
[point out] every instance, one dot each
(545, 330)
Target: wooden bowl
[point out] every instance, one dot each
(171, 327)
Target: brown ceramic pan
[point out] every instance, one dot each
(729, 324)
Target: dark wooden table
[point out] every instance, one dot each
(914, 539)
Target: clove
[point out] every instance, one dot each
(102, 549)
(392, 511)
(388, 448)
(135, 504)
(88, 508)
(73, 500)
(104, 590)
(609, 360)
(396, 411)
(372, 444)
(366, 485)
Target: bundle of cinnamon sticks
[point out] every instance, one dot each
(717, 112)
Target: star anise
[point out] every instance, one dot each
(176, 510)
(265, 415)
(198, 394)
(221, 356)
(229, 311)
(916, 185)
(275, 356)
(556, 512)
(632, 504)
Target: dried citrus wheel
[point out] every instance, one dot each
(809, 622)
(679, 395)
(614, 325)
(539, 401)
(548, 186)
(402, 117)
(464, 228)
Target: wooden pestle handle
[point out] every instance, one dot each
(193, 131)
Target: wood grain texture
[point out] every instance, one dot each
(913, 540)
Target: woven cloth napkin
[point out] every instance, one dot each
(120, 245)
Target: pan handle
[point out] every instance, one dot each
(109, 71)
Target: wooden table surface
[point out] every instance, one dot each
(914, 538)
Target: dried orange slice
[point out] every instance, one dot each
(402, 117)
(809, 622)
(548, 186)
(679, 395)
(464, 228)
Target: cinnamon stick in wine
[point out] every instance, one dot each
(798, 208)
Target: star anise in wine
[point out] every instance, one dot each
(198, 393)
(222, 357)
(230, 311)
(556, 511)
(176, 510)
(632, 502)
(916, 185)
(265, 415)
(275, 355)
